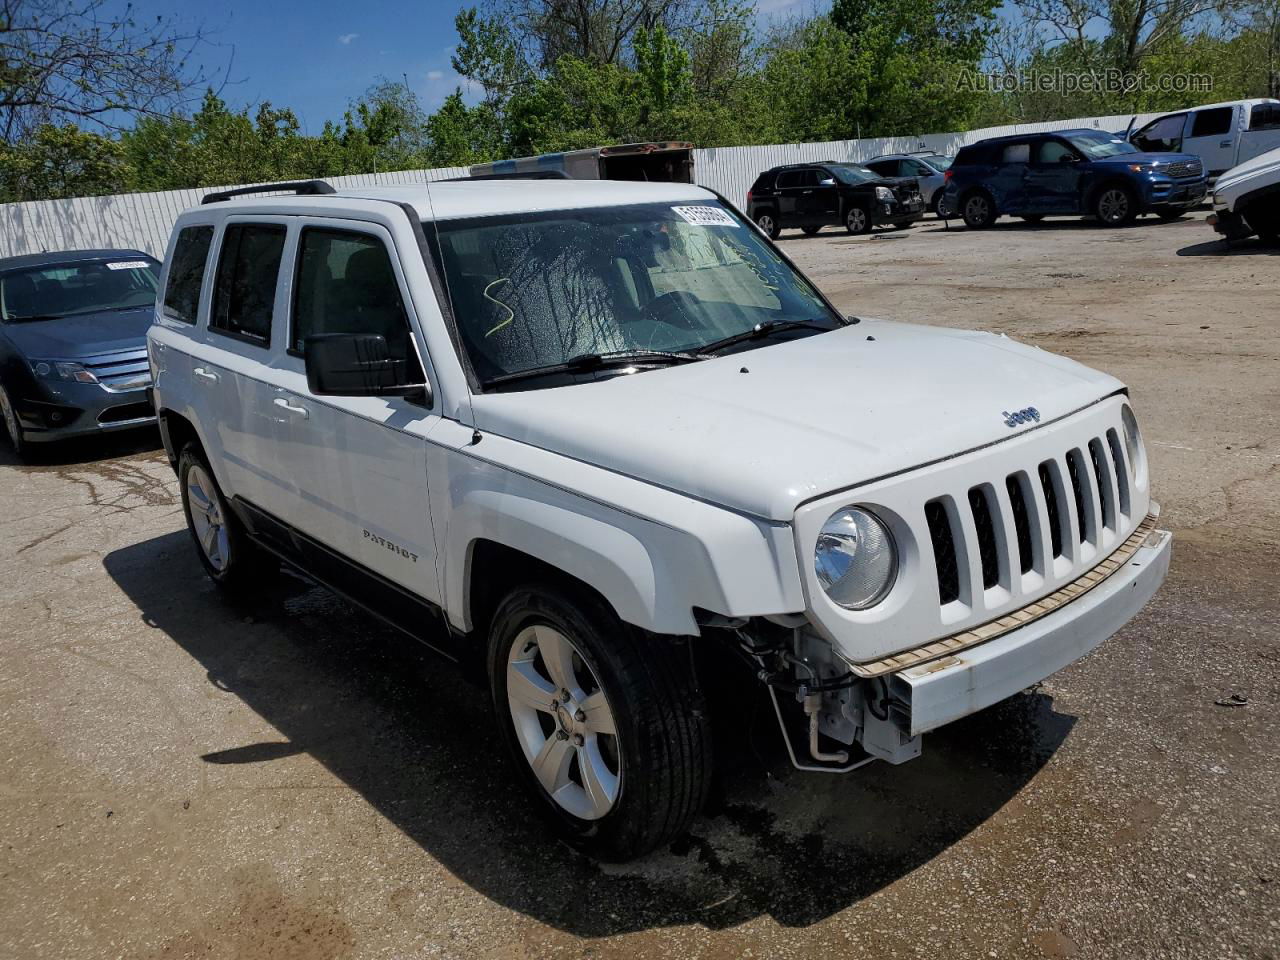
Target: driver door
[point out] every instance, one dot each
(1162, 135)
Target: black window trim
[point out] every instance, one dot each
(262, 342)
(204, 275)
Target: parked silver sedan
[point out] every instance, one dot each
(929, 168)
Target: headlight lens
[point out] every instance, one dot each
(884, 194)
(855, 559)
(1132, 440)
(63, 370)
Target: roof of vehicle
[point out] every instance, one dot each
(455, 199)
(26, 261)
(1015, 137)
(913, 155)
(1251, 102)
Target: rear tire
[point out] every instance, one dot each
(810, 231)
(1115, 206)
(941, 208)
(1169, 216)
(12, 428)
(230, 558)
(768, 223)
(978, 210)
(624, 764)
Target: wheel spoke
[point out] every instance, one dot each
(557, 654)
(526, 687)
(198, 496)
(598, 781)
(551, 765)
(599, 716)
(209, 540)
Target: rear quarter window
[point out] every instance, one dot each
(186, 274)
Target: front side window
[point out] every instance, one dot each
(1211, 123)
(245, 287)
(852, 173)
(938, 162)
(77, 288)
(1053, 151)
(535, 290)
(346, 284)
(186, 273)
(1164, 134)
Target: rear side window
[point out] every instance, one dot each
(186, 274)
(886, 168)
(763, 182)
(346, 284)
(245, 290)
(1211, 123)
(978, 153)
(1265, 116)
(1016, 153)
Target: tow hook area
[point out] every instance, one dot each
(823, 705)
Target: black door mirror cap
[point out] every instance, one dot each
(357, 365)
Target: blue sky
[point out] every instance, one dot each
(315, 57)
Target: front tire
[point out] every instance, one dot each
(1115, 206)
(768, 223)
(811, 230)
(1169, 216)
(12, 428)
(605, 722)
(857, 220)
(226, 552)
(978, 210)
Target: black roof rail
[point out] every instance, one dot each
(516, 175)
(300, 187)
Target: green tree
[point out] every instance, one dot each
(61, 161)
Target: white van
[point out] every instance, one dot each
(1222, 135)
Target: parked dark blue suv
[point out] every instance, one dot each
(73, 347)
(1070, 171)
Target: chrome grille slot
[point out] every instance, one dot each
(944, 551)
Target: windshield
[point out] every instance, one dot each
(536, 290)
(82, 286)
(1099, 145)
(937, 161)
(852, 173)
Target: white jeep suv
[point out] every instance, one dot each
(595, 436)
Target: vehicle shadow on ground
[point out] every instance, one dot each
(418, 743)
(1252, 247)
(78, 451)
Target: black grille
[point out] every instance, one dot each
(1076, 487)
(1184, 168)
(1122, 474)
(944, 551)
(126, 411)
(1021, 522)
(986, 537)
(1101, 478)
(1051, 507)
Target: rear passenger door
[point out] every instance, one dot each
(238, 340)
(356, 465)
(1009, 180)
(1053, 178)
(789, 192)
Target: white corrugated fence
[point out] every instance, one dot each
(142, 221)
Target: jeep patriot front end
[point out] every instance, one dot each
(588, 435)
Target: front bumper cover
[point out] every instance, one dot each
(940, 691)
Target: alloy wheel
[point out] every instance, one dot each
(10, 419)
(1113, 205)
(563, 722)
(976, 209)
(856, 221)
(207, 517)
(765, 223)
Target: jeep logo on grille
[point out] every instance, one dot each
(1025, 415)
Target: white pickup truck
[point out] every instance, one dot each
(1246, 200)
(595, 438)
(1222, 135)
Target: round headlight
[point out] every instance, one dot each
(855, 559)
(1133, 441)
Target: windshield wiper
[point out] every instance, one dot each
(590, 362)
(761, 330)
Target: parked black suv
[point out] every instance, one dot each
(812, 195)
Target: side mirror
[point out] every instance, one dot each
(829, 182)
(1068, 158)
(357, 365)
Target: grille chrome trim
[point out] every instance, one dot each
(1018, 618)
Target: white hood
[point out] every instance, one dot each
(808, 417)
(1248, 176)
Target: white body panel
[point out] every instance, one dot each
(1240, 142)
(1255, 174)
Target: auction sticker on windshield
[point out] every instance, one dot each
(705, 216)
(128, 265)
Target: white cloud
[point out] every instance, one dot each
(346, 38)
(435, 74)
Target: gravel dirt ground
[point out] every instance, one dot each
(183, 776)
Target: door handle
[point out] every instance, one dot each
(1225, 143)
(806, 191)
(284, 404)
(204, 374)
